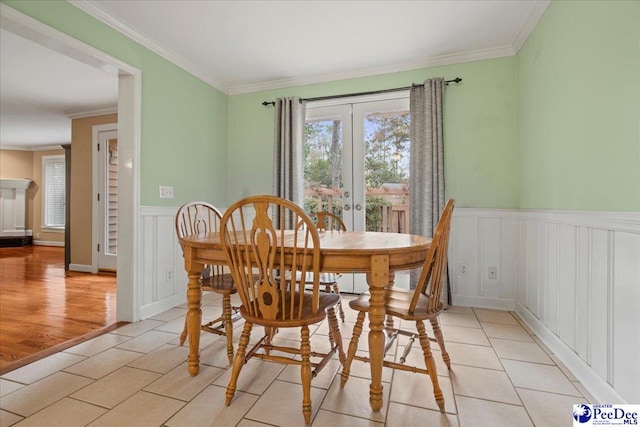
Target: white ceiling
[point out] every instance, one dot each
(246, 46)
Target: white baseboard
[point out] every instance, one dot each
(483, 302)
(597, 386)
(81, 267)
(48, 243)
(158, 307)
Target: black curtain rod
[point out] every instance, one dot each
(373, 92)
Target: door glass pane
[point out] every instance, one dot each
(323, 166)
(111, 202)
(386, 139)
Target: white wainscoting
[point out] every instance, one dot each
(479, 239)
(573, 277)
(162, 278)
(579, 290)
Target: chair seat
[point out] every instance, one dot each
(328, 281)
(221, 284)
(308, 318)
(397, 303)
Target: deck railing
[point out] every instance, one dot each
(387, 208)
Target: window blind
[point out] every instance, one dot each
(54, 190)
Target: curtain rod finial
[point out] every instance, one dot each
(265, 103)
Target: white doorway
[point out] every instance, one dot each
(129, 125)
(105, 213)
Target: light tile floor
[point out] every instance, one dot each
(137, 376)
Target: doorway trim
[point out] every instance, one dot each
(129, 124)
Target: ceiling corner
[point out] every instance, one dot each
(529, 24)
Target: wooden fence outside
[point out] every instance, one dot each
(387, 207)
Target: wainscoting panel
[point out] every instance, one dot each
(550, 305)
(481, 239)
(624, 338)
(567, 257)
(162, 276)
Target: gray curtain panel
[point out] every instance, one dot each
(288, 153)
(426, 164)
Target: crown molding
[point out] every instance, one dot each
(91, 113)
(529, 25)
(92, 9)
(33, 147)
(476, 55)
(50, 147)
(15, 147)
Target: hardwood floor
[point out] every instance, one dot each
(42, 311)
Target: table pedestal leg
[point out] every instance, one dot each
(378, 279)
(194, 320)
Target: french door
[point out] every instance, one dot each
(357, 166)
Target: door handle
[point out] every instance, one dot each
(358, 207)
(347, 207)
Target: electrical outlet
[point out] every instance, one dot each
(166, 192)
(493, 273)
(462, 268)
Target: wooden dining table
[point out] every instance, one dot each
(377, 254)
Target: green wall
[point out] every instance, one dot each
(480, 130)
(183, 135)
(579, 108)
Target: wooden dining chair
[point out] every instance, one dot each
(262, 236)
(417, 305)
(328, 221)
(201, 217)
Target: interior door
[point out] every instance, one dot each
(107, 200)
(357, 166)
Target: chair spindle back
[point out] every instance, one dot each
(328, 221)
(430, 280)
(197, 217)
